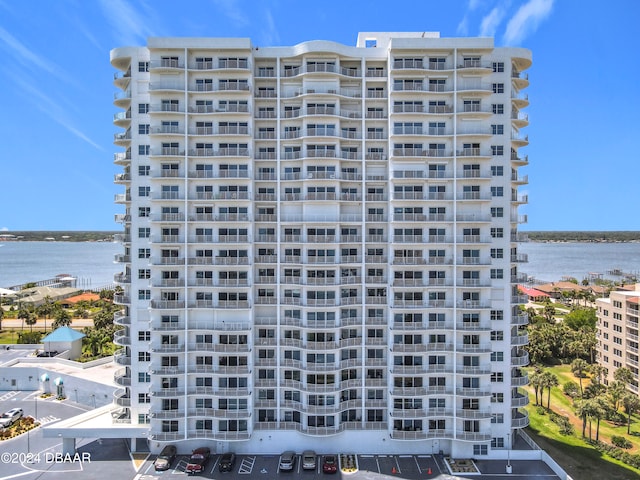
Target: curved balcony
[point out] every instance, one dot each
(520, 399)
(122, 397)
(521, 359)
(121, 338)
(519, 380)
(122, 377)
(121, 357)
(520, 419)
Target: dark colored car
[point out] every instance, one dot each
(198, 460)
(330, 464)
(227, 461)
(166, 458)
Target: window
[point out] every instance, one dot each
(497, 170)
(144, 211)
(497, 108)
(144, 273)
(497, 335)
(143, 67)
(497, 398)
(144, 252)
(497, 191)
(144, 357)
(143, 129)
(497, 442)
(144, 191)
(497, 253)
(497, 150)
(144, 232)
(497, 356)
(497, 273)
(480, 450)
(498, 67)
(497, 418)
(497, 315)
(497, 87)
(143, 149)
(497, 129)
(144, 294)
(143, 108)
(144, 377)
(497, 212)
(497, 377)
(144, 398)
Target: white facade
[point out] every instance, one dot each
(320, 243)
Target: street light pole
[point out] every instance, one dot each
(509, 469)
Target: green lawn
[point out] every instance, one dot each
(578, 458)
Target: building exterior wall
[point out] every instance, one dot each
(320, 243)
(617, 333)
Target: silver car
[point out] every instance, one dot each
(308, 460)
(287, 460)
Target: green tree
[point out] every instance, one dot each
(599, 411)
(616, 392)
(535, 380)
(579, 368)
(549, 313)
(63, 319)
(1, 316)
(631, 404)
(106, 294)
(549, 381)
(103, 319)
(623, 375)
(581, 317)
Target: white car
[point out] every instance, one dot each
(9, 418)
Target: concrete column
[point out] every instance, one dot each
(134, 444)
(68, 446)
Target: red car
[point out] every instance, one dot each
(198, 460)
(330, 464)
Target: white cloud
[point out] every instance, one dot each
(49, 107)
(490, 22)
(28, 58)
(130, 26)
(233, 11)
(526, 20)
(270, 35)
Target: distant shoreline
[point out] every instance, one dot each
(534, 236)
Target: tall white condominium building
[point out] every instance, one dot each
(320, 243)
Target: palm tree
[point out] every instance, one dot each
(624, 375)
(599, 411)
(549, 380)
(631, 404)
(535, 380)
(63, 319)
(616, 392)
(579, 368)
(597, 373)
(583, 411)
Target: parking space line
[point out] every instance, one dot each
(214, 465)
(417, 465)
(246, 466)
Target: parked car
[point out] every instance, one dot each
(198, 460)
(166, 458)
(10, 417)
(287, 460)
(227, 461)
(308, 460)
(330, 464)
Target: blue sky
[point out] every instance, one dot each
(57, 92)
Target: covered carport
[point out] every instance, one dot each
(96, 423)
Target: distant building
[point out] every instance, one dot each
(618, 332)
(320, 243)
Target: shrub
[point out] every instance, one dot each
(540, 410)
(621, 442)
(571, 389)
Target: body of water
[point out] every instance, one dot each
(92, 262)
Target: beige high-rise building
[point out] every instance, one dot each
(320, 244)
(617, 333)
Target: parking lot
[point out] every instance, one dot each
(266, 466)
